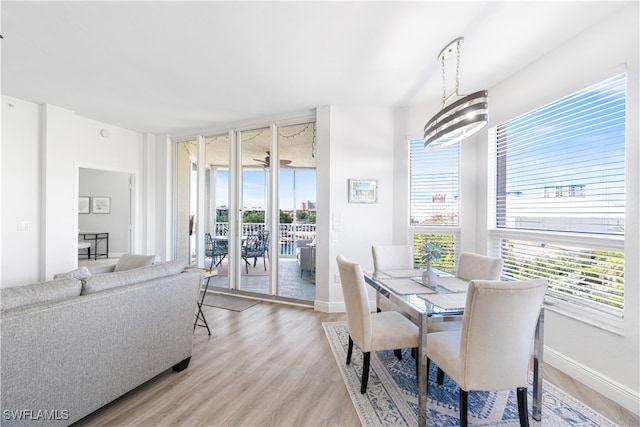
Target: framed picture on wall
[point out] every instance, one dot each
(83, 204)
(363, 191)
(101, 205)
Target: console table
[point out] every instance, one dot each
(95, 238)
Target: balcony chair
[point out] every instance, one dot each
(386, 330)
(254, 247)
(492, 349)
(304, 255)
(215, 249)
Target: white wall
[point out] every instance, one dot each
(353, 142)
(21, 177)
(603, 360)
(43, 149)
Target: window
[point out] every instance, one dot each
(434, 201)
(434, 182)
(560, 198)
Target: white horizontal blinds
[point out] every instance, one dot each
(434, 183)
(447, 243)
(561, 167)
(590, 277)
(560, 197)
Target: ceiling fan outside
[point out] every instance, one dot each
(267, 161)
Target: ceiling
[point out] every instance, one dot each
(187, 67)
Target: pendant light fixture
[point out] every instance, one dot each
(461, 118)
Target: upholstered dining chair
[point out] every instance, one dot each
(470, 266)
(387, 330)
(390, 257)
(492, 349)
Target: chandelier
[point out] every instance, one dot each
(460, 119)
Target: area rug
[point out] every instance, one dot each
(392, 394)
(228, 302)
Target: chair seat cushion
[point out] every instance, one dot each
(391, 330)
(443, 348)
(453, 325)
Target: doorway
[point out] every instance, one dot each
(263, 181)
(107, 211)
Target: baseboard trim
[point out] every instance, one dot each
(615, 391)
(329, 307)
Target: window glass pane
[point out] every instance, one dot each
(447, 243)
(434, 182)
(594, 277)
(560, 176)
(562, 167)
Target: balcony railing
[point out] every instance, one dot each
(288, 233)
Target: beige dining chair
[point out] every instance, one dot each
(470, 266)
(492, 349)
(387, 330)
(390, 257)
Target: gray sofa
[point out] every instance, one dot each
(70, 346)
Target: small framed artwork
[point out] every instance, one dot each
(101, 205)
(83, 204)
(363, 191)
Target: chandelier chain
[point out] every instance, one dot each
(458, 68)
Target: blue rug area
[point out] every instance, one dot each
(392, 394)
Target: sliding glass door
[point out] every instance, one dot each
(255, 190)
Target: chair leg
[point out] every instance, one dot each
(415, 350)
(349, 350)
(398, 353)
(365, 372)
(523, 411)
(428, 365)
(440, 377)
(463, 408)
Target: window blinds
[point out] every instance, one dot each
(562, 167)
(434, 182)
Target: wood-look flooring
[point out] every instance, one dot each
(269, 365)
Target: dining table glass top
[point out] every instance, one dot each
(446, 298)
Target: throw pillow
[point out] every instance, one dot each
(78, 273)
(130, 261)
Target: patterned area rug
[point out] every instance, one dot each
(392, 394)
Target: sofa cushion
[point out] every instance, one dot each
(123, 278)
(53, 290)
(78, 273)
(130, 261)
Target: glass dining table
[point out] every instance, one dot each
(442, 302)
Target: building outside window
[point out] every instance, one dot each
(559, 200)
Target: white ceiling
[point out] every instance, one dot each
(183, 67)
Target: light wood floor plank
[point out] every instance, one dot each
(270, 365)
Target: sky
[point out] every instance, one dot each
(254, 185)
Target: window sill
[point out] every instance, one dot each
(608, 322)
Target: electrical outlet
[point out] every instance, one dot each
(24, 225)
(336, 278)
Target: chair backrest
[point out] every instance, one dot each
(302, 243)
(478, 267)
(392, 257)
(208, 244)
(253, 246)
(356, 302)
(497, 332)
